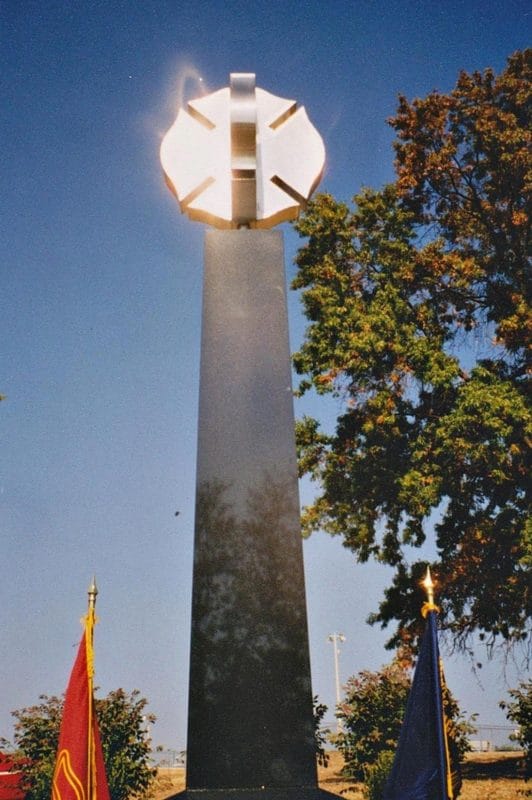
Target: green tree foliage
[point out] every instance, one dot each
(519, 711)
(122, 720)
(36, 738)
(376, 775)
(320, 733)
(419, 326)
(126, 747)
(372, 714)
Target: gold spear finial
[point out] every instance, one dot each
(92, 592)
(428, 585)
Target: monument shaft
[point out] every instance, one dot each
(250, 703)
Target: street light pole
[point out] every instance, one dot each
(336, 638)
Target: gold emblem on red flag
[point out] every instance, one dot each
(63, 769)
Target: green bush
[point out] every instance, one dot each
(126, 749)
(376, 775)
(372, 714)
(520, 712)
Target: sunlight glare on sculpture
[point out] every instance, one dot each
(242, 157)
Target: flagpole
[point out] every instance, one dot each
(446, 781)
(89, 641)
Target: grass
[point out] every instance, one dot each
(487, 776)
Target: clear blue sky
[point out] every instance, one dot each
(100, 312)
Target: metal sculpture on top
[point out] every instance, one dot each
(242, 157)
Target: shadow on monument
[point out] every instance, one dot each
(249, 660)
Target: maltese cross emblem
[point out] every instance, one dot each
(242, 157)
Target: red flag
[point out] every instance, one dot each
(79, 769)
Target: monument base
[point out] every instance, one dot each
(289, 793)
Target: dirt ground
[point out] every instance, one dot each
(487, 776)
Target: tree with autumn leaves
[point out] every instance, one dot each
(417, 298)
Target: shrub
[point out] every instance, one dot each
(520, 712)
(372, 714)
(125, 746)
(376, 775)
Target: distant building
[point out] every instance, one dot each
(480, 745)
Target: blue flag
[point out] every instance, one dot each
(421, 769)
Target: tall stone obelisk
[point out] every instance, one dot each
(243, 159)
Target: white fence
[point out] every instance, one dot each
(170, 758)
(488, 738)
